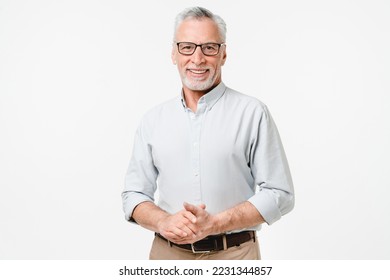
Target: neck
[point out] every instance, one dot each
(192, 97)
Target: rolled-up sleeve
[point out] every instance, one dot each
(271, 172)
(141, 175)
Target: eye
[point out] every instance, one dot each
(210, 47)
(186, 46)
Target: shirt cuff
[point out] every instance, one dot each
(130, 201)
(265, 203)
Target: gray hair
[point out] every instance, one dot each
(199, 13)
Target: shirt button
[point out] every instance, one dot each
(195, 144)
(196, 174)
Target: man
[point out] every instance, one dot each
(214, 153)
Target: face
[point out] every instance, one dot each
(198, 72)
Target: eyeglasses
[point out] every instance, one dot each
(188, 48)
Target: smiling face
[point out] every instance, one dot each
(198, 72)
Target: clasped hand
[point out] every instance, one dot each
(187, 226)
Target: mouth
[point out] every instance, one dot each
(198, 71)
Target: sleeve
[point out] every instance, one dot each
(141, 175)
(271, 172)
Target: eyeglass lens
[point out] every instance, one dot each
(207, 49)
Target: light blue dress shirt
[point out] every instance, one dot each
(227, 152)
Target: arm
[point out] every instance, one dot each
(173, 227)
(243, 215)
(194, 222)
(270, 170)
(138, 194)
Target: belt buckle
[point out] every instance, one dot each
(197, 252)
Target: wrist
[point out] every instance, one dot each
(160, 221)
(216, 225)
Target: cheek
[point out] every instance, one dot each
(217, 63)
(180, 67)
(181, 63)
(217, 67)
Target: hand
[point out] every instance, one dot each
(205, 224)
(178, 228)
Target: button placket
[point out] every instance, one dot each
(196, 125)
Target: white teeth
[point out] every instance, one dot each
(198, 71)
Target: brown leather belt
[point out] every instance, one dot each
(215, 242)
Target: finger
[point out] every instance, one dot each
(192, 208)
(190, 216)
(178, 232)
(191, 238)
(188, 226)
(203, 206)
(185, 228)
(172, 237)
(192, 229)
(178, 239)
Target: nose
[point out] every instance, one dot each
(198, 57)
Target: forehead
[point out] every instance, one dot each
(197, 31)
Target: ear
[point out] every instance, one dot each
(224, 55)
(173, 55)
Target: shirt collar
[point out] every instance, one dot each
(209, 98)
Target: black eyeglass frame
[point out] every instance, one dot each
(196, 45)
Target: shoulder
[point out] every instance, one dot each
(159, 112)
(170, 105)
(248, 103)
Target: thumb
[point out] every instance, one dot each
(192, 208)
(203, 206)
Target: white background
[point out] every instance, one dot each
(77, 76)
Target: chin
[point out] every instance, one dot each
(198, 86)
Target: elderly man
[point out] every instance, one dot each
(214, 154)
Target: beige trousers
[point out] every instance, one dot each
(161, 250)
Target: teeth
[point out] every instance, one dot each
(198, 71)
